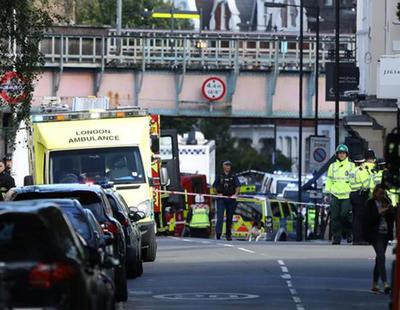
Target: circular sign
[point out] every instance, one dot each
(213, 88)
(12, 87)
(319, 155)
(206, 296)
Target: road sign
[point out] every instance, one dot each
(213, 88)
(12, 87)
(319, 151)
(349, 77)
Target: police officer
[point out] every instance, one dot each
(338, 188)
(377, 174)
(198, 218)
(227, 185)
(358, 197)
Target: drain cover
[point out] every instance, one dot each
(206, 296)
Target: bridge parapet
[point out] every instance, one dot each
(144, 49)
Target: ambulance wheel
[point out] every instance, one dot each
(151, 252)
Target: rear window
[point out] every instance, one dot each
(89, 200)
(23, 238)
(78, 221)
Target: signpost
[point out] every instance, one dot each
(349, 77)
(213, 88)
(12, 87)
(319, 151)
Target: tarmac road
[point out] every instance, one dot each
(210, 274)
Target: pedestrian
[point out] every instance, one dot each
(198, 218)
(379, 219)
(359, 195)
(338, 188)
(6, 181)
(8, 163)
(226, 185)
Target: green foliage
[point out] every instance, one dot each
(398, 10)
(240, 152)
(103, 12)
(21, 25)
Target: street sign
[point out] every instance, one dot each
(349, 78)
(213, 88)
(12, 87)
(319, 152)
(388, 77)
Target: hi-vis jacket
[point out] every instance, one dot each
(339, 178)
(200, 216)
(362, 178)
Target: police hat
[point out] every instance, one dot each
(370, 154)
(7, 157)
(381, 162)
(227, 162)
(359, 158)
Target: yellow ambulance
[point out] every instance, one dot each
(99, 146)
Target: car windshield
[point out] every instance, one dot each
(78, 221)
(249, 210)
(281, 184)
(122, 165)
(23, 238)
(88, 200)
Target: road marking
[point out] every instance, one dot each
(285, 269)
(187, 240)
(229, 245)
(205, 242)
(289, 283)
(286, 276)
(206, 296)
(296, 299)
(293, 291)
(245, 250)
(133, 292)
(281, 262)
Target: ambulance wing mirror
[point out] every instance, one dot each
(28, 180)
(155, 144)
(165, 180)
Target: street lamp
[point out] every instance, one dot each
(283, 5)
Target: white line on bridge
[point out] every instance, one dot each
(292, 290)
(245, 250)
(285, 269)
(229, 245)
(281, 262)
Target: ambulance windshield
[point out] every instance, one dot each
(121, 165)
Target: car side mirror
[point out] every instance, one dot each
(136, 216)
(164, 177)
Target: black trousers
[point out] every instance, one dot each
(225, 206)
(380, 244)
(358, 200)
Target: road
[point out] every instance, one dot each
(210, 274)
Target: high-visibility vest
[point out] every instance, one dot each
(339, 178)
(200, 216)
(375, 178)
(361, 180)
(393, 195)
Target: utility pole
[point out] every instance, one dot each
(119, 17)
(337, 71)
(317, 72)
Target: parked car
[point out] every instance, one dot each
(43, 263)
(133, 237)
(91, 197)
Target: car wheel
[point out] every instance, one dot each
(121, 283)
(132, 264)
(151, 252)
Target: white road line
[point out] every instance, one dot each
(281, 262)
(245, 250)
(205, 242)
(286, 276)
(293, 291)
(229, 245)
(300, 307)
(284, 269)
(296, 299)
(187, 240)
(289, 283)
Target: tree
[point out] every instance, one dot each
(22, 24)
(103, 12)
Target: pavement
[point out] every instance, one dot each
(211, 274)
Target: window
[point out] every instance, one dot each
(120, 165)
(285, 209)
(276, 211)
(166, 149)
(78, 222)
(249, 210)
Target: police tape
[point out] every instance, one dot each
(306, 204)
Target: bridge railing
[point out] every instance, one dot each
(190, 50)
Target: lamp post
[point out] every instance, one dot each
(337, 70)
